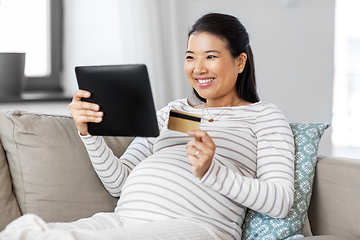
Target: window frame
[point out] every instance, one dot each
(52, 82)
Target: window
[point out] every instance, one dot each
(34, 27)
(346, 111)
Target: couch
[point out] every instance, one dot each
(45, 169)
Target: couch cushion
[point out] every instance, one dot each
(50, 168)
(261, 226)
(8, 204)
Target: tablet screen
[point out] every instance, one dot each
(124, 94)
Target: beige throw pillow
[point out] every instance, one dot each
(50, 168)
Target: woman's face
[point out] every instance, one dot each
(211, 70)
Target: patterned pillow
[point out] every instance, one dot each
(260, 226)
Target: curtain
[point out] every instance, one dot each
(150, 36)
(100, 32)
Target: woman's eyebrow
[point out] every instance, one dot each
(208, 51)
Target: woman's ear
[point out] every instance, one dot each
(241, 61)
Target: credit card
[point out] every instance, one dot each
(183, 122)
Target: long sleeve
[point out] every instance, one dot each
(271, 192)
(111, 170)
(114, 171)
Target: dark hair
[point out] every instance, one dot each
(229, 29)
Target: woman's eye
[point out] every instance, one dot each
(189, 57)
(211, 56)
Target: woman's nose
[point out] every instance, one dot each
(200, 68)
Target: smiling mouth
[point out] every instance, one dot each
(204, 81)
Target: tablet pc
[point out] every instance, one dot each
(123, 93)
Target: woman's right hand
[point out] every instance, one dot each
(84, 112)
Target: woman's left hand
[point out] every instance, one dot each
(200, 152)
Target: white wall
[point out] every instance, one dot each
(292, 43)
(92, 36)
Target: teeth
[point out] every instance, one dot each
(205, 80)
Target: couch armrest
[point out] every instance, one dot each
(9, 208)
(334, 207)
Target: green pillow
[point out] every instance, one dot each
(260, 226)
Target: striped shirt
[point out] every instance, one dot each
(253, 167)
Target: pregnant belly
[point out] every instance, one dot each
(161, 188)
